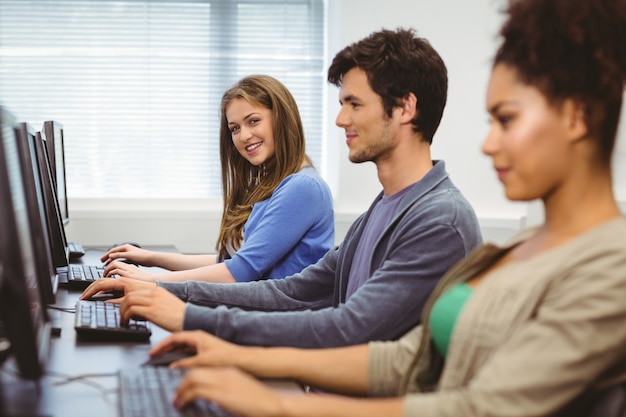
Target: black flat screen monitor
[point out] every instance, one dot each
(58, 241)
(48, 278)
(21, 309)
(55, 144)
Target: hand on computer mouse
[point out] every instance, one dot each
(110, 295)
(126, 261)
(166, 358)
(129, 253)
(116, 245)
(211, 350)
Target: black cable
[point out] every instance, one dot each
(66, 379)
(71, 378)
(84, 379)
(63, 309)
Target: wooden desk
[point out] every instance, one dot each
(69, 357)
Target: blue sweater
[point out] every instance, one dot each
(289, 231)
(434, 228)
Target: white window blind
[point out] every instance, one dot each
(137, 84)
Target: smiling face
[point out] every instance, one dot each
(369, 132)
(251, 130)
(529, 140)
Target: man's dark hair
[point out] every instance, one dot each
(398, 63)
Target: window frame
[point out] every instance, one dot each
(228, 9)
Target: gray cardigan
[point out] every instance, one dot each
(532, 338)
(434, 228)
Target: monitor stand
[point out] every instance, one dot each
(6, 409)
(54, 316)
(76, 250)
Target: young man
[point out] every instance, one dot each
(393, 88)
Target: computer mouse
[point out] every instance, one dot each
(106, 296)
(135, 244)
(164, 359)
(126, 261)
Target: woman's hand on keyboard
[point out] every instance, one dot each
(124, 270)
(231, 389)
(130, 253)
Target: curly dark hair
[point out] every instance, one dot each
(398, 63)
(571, 49)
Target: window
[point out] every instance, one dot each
(137, 84)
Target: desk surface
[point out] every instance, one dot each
(95, 395)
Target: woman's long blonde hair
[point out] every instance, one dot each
(244, 184)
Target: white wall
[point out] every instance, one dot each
(464, 33)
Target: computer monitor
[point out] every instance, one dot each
(55, 144)
(21, 310)
(56, 232)
(48, 278)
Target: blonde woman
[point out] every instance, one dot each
(278, 212)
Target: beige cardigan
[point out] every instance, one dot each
(533, 336)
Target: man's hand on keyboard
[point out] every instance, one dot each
(155, 304)
(107, 285)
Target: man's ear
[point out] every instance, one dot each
(409, 108)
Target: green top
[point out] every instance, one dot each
(444, 314)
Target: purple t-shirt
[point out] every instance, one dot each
(382, 213)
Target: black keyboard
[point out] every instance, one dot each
(79, 276)
(97, 320)
(148, 391)
(86, 272)
(76, 250)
